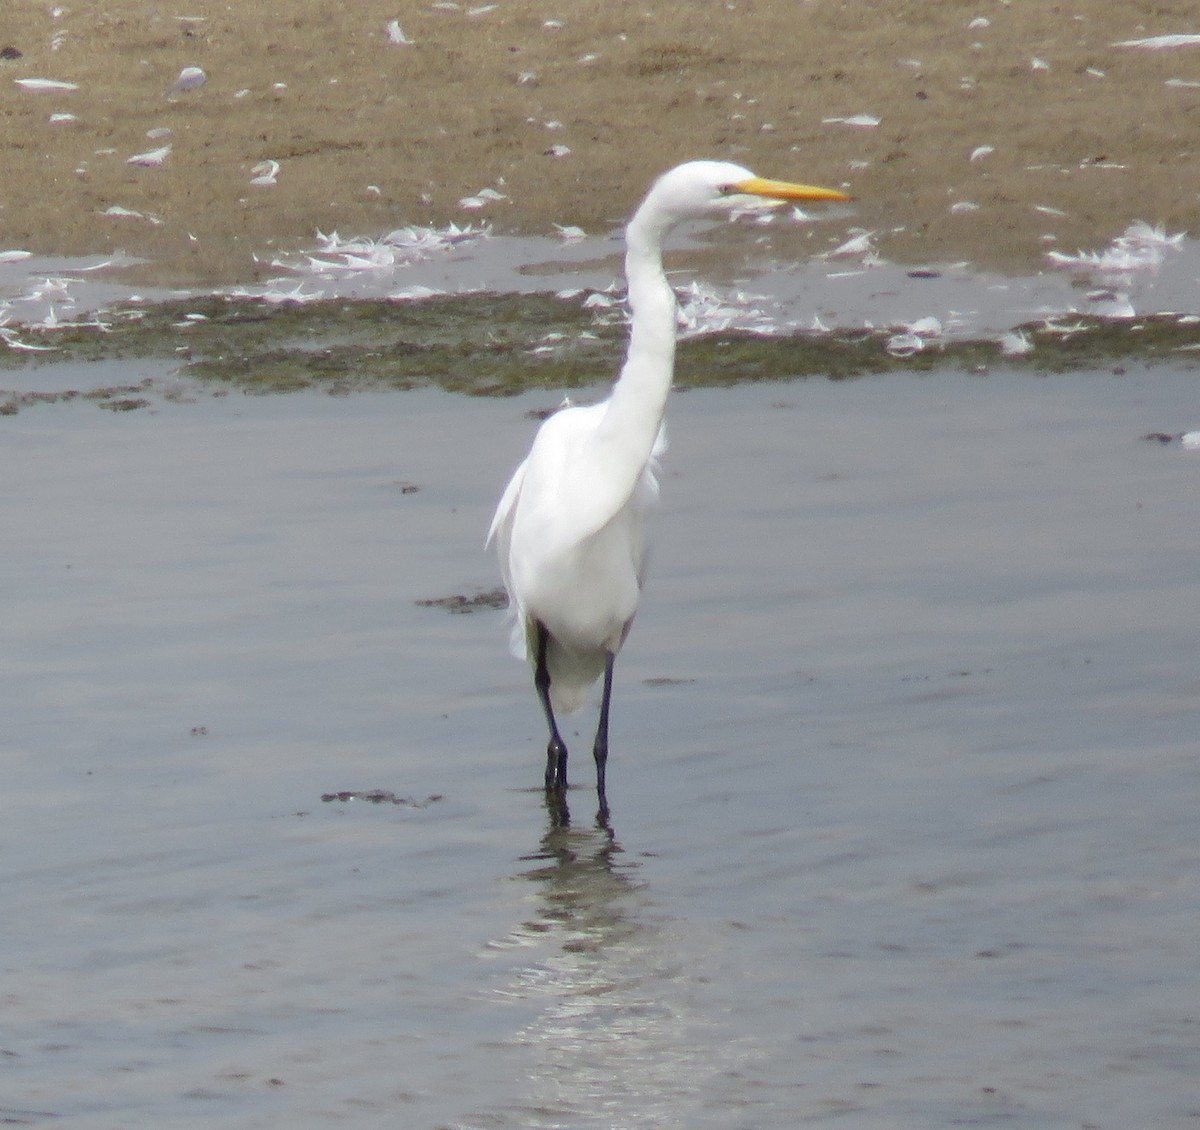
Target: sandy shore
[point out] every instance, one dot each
(370, 135)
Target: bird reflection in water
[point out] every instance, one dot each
(609, 993)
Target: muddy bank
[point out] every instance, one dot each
(1003, 129)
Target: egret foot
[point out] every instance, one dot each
(556, 764)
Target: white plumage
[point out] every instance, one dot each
(570, 527)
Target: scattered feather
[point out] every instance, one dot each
(703, 310)
(858, 121)
(1161, 42)
(981, 151)
(1111, 304)
(416, 293)
(395, 34)
(399, 248)
(130, 213)
(481, 199)
(1189, 84)
(1014, 343)
(961, 206)
(568, 233)
(857, 245)
(62, 118)
(150, 159)
(929, 326)
(45, 85)
(557, 151)
(190, 78)
(1141, 247)
(265, 173)
(1036, 64)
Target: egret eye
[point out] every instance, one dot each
(725, 189)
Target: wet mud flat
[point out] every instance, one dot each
(495, 316)
(902, 785)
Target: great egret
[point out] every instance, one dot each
(570, 526)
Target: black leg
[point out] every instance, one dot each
(600, 750)
(556, 751)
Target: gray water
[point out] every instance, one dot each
(904, 782)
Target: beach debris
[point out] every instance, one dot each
(1037, 64)
(10, 52)
(381, 796)
(1161, 42)
(265, 173)
(526, 78)
(556, 151)
(190, 78)
(396, 35)
(45, 85)
(961, 206)
(62, 118)
(1189, 441)
(904, 345)
(915, 337)
(151, 158)
(460, 603)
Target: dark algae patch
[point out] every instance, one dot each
(500, 345)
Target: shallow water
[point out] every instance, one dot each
(903, 781)
(773, 278)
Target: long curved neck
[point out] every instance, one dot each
(639, 398)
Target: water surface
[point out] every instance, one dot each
(903, 780)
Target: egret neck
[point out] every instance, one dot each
(635, 408)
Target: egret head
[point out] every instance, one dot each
(703, 187)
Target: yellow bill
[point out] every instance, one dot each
(785, 190)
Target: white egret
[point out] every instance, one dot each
(570, 525)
